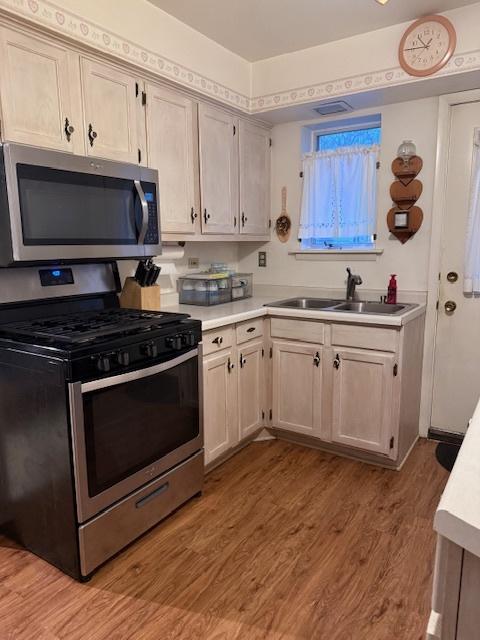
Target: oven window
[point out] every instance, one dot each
(132, 425)
(68, 208)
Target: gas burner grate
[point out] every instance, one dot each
(79, 328)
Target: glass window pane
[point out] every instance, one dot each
(359, 137)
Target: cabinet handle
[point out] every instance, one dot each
(206, 216)
(336, 362)
(193, 215)
(91, 134)
(69, 129)
(243, 361)
(316, 359)
(244, 219)
(230, 366)
(218, 340)
(251, 329)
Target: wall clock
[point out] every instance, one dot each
(427, 45)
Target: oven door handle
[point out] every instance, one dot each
(144, 203)
(113, 381)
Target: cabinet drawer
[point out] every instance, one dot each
(217, 339)
(354, 335)
(111, 531)
(303, 330)
(248, 330)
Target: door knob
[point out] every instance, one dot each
(452, 276)
(450, 306)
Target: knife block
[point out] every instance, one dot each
(133, 296)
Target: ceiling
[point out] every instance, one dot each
(257, 29)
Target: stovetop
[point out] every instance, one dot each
(88, 327)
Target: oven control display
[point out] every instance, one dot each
(53, 277)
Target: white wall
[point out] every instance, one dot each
(415, 120)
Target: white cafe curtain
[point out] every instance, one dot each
(471, 282)
(339, 193)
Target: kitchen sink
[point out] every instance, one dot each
(305, 303)
(326, 304)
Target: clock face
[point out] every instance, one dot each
(427, 45)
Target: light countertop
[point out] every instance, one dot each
(458, 514)
(240, 310)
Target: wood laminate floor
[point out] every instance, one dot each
(286, 543)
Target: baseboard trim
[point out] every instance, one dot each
(449, 437)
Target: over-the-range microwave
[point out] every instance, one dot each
(56, 206)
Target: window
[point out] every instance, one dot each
(339, 190)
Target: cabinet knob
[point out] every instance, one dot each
(230, 366)
(206, 216)
(243, 361)
(336, 362)
(218, 340)
(69, 129)
(91, 134)
(193, 215)
(316, 359)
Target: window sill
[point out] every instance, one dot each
(336, 254)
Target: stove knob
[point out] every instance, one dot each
(123, 358)
(150, 349)
(103, 364)
(189, 339)
(174, 342)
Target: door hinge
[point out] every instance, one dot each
(263, 415)
(144, 98)
(270, 223)
(395, 369)
(270, 415)
(137, 89)
(392, 442)
(139, 155)
(263, 353)
(234, 129)
(269, 142)
(301, 174)
(378, 165)
(271, 352)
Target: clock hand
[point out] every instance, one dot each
(414, 48)
(422, 41)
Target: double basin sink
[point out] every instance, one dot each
(348, 306)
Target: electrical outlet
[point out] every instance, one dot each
(262, 258)
(193, 263)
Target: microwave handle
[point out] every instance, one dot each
(143, 202)
(113, 381)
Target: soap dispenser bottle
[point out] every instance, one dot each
(392, 290)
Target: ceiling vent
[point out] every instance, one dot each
(333, 108)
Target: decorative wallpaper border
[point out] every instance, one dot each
(64, 22)
(67, 23)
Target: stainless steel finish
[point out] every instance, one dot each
(22, 284)
(373, 307)
(17, 153)
(125, 521)
(144, 227)
(352, 281)
(305, 303)
(87, 506)
(121, 378)
(452, 276)
(450, 306)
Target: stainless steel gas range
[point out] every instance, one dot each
(100, 420)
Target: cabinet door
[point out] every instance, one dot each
(171, 150)
(218, 170)
(297, 387)
(110, 103)
(250, 387)
(220, 404)
(35, 79)
(254, 143)
(362, 399)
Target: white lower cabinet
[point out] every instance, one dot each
(362, 399)
(250, 388)
(220, 404)
(297, 387)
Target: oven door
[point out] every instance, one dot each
(129, 428)
(66, 207)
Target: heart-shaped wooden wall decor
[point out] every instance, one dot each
(405, 218)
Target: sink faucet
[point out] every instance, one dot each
(352, 281)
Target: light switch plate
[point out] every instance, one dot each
(262, 258)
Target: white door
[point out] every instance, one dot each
(218, 170)
(297, 387)
(110, 111)
(220, 418)
(362, 399)
(457, 352)
(36, 84)
(254, 143)
(171, 150)
(250, 387)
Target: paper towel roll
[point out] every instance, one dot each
(170, 252)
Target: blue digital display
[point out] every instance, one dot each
(149, 197)
(55, 277)
(56, 273)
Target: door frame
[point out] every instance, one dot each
(445, 107)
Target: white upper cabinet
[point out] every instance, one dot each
(110, 112)
(171, 147)
(218, 170)
(254, 143)
(38, 103)
(362, 399)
